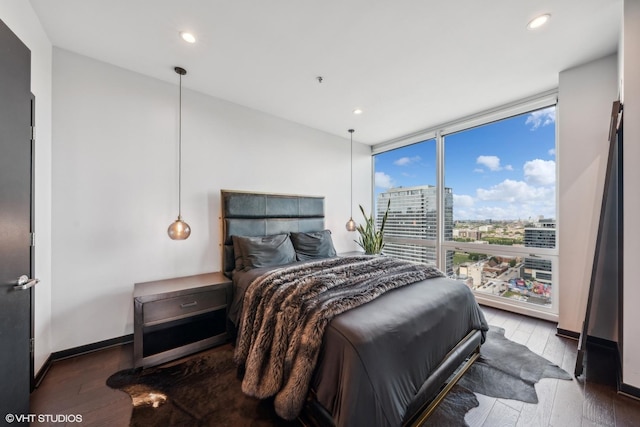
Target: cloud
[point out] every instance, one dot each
(508, 168)
(383, 180)
(508, 200)
(479, 170)
(540, 172)
(542, 117)
(404, 161)
(462, 201)
(491, 162)
(511, 191)
(552, 152)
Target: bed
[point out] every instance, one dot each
(384, 361)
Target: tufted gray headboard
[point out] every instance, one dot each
(263, 214)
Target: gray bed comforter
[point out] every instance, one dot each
(375, 357)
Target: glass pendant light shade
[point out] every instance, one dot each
(179, 230)
(351, 224)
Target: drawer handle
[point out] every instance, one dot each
(188, 304)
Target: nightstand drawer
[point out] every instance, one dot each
(172, 308)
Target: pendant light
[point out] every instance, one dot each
(351, 224)
(179, 230)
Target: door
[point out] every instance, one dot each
(15, 224)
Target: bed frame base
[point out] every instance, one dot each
(430, 395)
(431, 407)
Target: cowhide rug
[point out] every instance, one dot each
(505, 370)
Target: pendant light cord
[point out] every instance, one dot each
(180, 150)
(351, 132)
(179, 230)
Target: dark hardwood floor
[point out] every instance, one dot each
(590, 400)
(76, 386)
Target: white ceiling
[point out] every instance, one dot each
(409, 64)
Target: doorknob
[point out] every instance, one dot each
(25, 283)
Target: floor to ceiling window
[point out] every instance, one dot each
(478, 199)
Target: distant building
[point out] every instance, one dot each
(495, 269)
(541, 235)
(413, 215)
(472, 272)
(466, 233)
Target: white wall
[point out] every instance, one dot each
(20, 17)
(115, 185)
(631, 76)
(585, 96)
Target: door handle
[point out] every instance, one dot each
(25, 283)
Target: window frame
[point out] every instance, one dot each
(441, 245)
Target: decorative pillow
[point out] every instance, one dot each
(313, 245)
(237, 254)
(264, 251)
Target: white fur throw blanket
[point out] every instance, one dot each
(286, 311)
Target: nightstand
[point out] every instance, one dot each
(180, 316)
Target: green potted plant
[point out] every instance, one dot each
(372, 240)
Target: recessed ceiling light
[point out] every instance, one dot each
(188, 37)
(357, 111)
(538, 21)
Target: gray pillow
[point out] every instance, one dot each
(237, 253)
(313, 245)
(264, 251)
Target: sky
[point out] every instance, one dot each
(504, 170)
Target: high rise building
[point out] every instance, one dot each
(413, 215)
(541, 235)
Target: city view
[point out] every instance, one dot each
(526, 279)
(499, 190)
